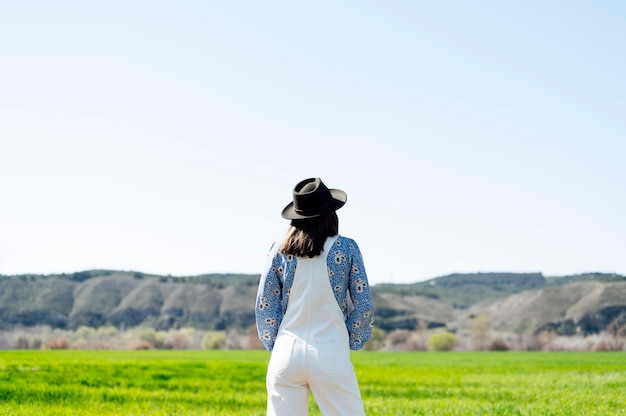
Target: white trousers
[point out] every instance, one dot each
(297, 368)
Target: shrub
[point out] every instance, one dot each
(95, 345)
(609, 343)
(235, 340)
(498, 345)
(545, 340)
(376, 341)
(479, 330)
(36, 344)
(108, 331)
(61, 343)
(405, 340)
(213, 340)
(397, 339)
(21, 343)
(140, 345)
(156, 338)
(84, 333)
(418, 341)
(530, 342)
(176, 341)
(253, 341)
(442, 341)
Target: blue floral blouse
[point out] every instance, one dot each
(346, 272)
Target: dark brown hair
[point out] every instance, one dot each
(305, 238)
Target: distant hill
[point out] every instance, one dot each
(463, 290)
(582, 307)
(104, 297)
(518, 302)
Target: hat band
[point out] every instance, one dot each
(313, 211)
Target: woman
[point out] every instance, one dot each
(302, 310)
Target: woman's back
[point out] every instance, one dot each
(313, 314)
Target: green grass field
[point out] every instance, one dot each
(78, 382)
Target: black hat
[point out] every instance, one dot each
(311, 198)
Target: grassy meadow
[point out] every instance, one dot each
(79, 382)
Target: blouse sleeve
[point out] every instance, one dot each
(268, 308)
(361, 320)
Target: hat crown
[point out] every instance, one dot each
(311, 196)
(309, 187)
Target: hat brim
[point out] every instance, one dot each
(338, 201)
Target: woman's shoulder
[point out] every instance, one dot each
(274, 248)
(273, 251)
(346, 242)
(276, 256)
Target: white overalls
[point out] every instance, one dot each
(312, 351)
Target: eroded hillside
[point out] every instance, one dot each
(511, 302)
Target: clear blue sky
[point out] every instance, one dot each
(166, 137)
